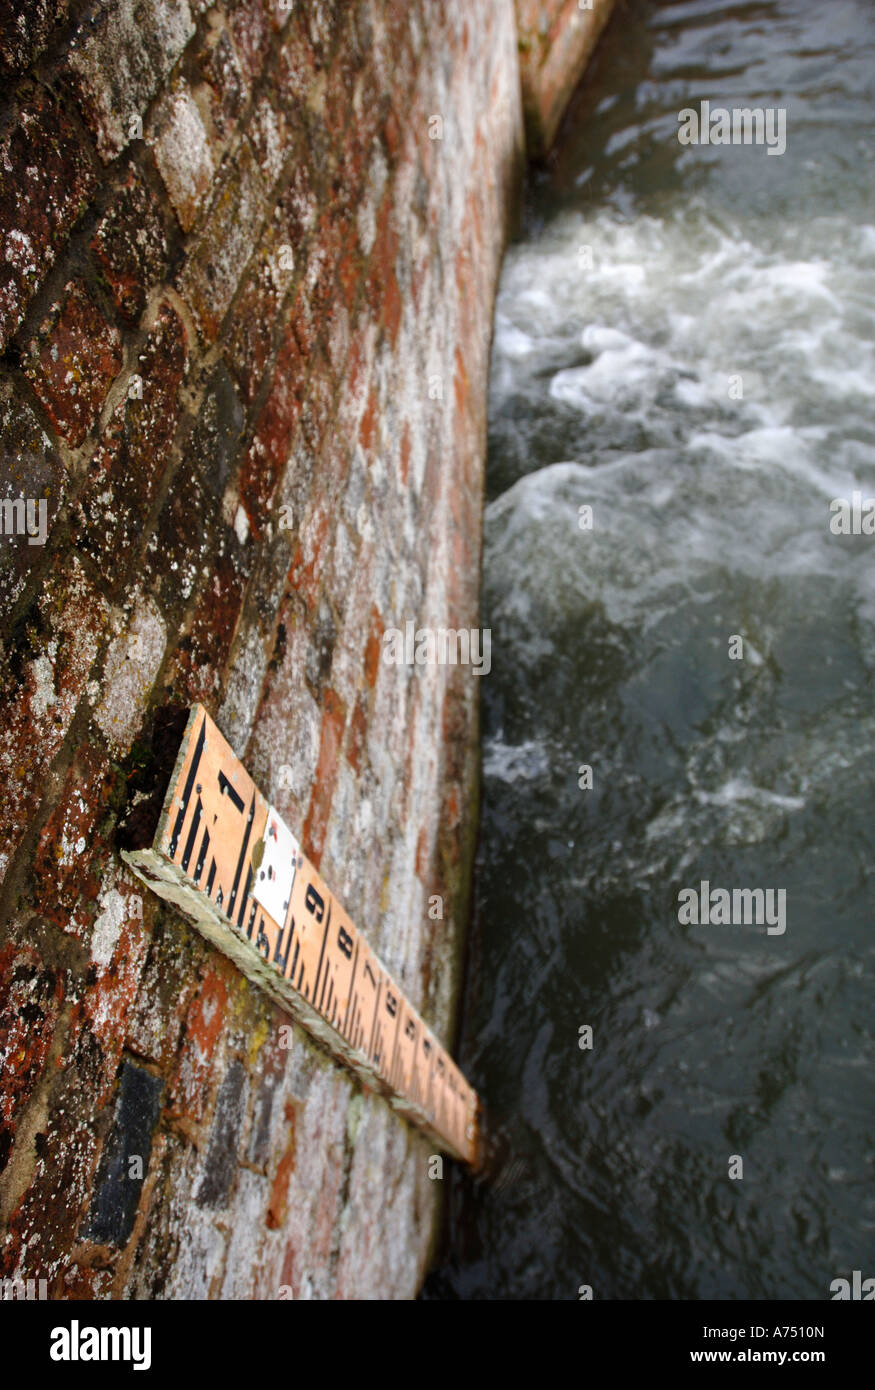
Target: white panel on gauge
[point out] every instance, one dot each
(275, 874)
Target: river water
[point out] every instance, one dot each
(702, 377)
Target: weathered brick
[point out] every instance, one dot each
(284, 749)
(374, 646)
(46, 180)
(251, 28)
(333, 722)
(556, 41)
(130, 246)
(274, 434)
(316, 422)
(132, 663)
(24, 31)
(213, 271)
(324, 22)
(197, 666)
(313, 551)
(267, 1082)
(179, 554)
(166, 985)
(297, 69)
(30, 999)
(220, 1165)
(66, 865)
(48, 662)
(118, 60)
(213, 443)
(358, 725)
(184, 152)
(321, 650)
(297, 211)
(30, 469)
(254, 320)
(203, 1029)
(277, 1207)
(125, 471)
(279, 12)
(269, 136)
(118, 942)
(125, 1157)
(221, 69)
(59, 1176)
(73, 362)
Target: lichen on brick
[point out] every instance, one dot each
(117, 61)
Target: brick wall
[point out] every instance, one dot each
(249, 257)
(556, 41)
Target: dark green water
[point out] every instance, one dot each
(611, 388)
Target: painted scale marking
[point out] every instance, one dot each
(236, 849)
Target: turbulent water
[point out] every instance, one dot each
(706, 386)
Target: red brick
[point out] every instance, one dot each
(196, 668)
(350, 271)
(313, 302)
(130, 246)
(274, 434)
(118, 59)
(30, 1000)
(277, 1206)
(296, 69)
(66, 865)
(221, 69)
(112, 984)
(460, 382)
(323, 19)
(25, 30)
(29, 468)
(405, 452)
(368, 426)
(298, 210)
(392, 307)
(218, 259)
(186, 152)
(72, 364)
(374, 647)
(167, 983)
(51, 655)
(178, 552)
(46, 180)
(203, 1029)
(338, 342)
(315, 825)
(313, 551)
(384, 254)
(423, 855)
(53, 1204)
(316, 411)
(250, 27)
(358, 730)
(253, 322)
(269, 136)
(126, 469)
(323, 1235)
(392, 135)
(278, 12)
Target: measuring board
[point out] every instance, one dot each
(199, 833)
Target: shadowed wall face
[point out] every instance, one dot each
(250, 254)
